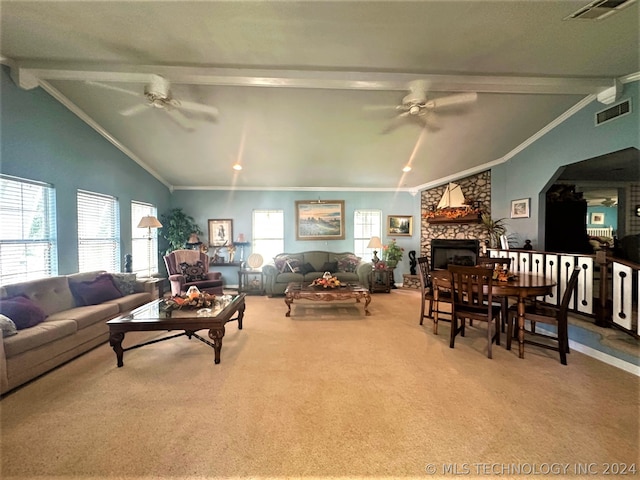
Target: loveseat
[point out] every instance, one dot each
(59, 318)
(307, 266)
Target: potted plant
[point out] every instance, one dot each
(177, 226)
(494, 228)
(392, 253)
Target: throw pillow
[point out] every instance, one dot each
(193, 273)
(7, 326)
(307, 268)
(125, 282)
(292, 265)
(331, 267)
(100, 290)
(22, 311)
(348, 263)
(280, 262)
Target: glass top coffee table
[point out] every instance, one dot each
(153, 316)
(299, 290)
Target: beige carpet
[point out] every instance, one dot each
(325, 393)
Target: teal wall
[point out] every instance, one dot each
(40, 139)
(576, 139)
(238, 205)
(610, 216)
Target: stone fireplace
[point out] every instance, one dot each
(475, 188)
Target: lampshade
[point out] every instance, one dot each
(149, 222)
(374, 243)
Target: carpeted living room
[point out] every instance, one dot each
(327, 392)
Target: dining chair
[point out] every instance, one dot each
(473, 300)
(492, 262)
(539, 313)
(428, 287)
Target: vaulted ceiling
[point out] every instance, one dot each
(297, 85)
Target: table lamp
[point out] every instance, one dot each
(375, 243)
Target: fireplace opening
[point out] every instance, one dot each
(454, 251)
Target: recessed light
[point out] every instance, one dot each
(237, 166)
(406, 168)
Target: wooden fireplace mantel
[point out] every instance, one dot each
(442, 219)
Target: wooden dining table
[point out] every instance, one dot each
(523, 286)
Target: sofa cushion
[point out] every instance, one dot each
(87, 315)
(290, 277)
(22, 311)
(129, 302)
(7, 326)
(127, 283)
(316, 258)
(51, 294)
(193, 272)
(41, 334)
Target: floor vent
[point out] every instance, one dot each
(599, 9)
(618, 110)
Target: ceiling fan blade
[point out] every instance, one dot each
(180, 119)
(198, 107)
(395, 123)
(134, 110)
(451, 100)
(114, 88)
(429, 123)
(378, 108)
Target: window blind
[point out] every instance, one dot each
(268, 233)
(98, 232)
(366, 224)
(28, 248)
(143, 250)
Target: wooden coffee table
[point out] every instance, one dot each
(352, 290)
(152, 317)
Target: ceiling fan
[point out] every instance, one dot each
(416, 105)
(608, 202)
(158, 94)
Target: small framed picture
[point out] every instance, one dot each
(520, 208)
(220, 232)
(597, 218)
(400, 225)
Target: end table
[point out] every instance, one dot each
(251, 282)
(380, 280)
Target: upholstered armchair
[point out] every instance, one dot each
(191, 267)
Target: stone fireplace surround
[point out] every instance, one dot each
(477, 188)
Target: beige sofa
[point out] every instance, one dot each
(278, 274)
(68, 330)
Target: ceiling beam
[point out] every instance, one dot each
(317, 79)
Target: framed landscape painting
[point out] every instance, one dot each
(520, 208)
(400, 225)
(597, 218)
(320, 220)
(220, 232)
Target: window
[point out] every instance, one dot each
(268, 233)
(144, 249)
(366, 224)
(28, 248)
(98, 232)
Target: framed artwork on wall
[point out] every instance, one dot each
(597, 218)
(400, 225)
(220, 232)
(320, 220)
(520, 208)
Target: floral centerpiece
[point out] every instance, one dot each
(392, 253)
(188, 301)
(326, 282)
